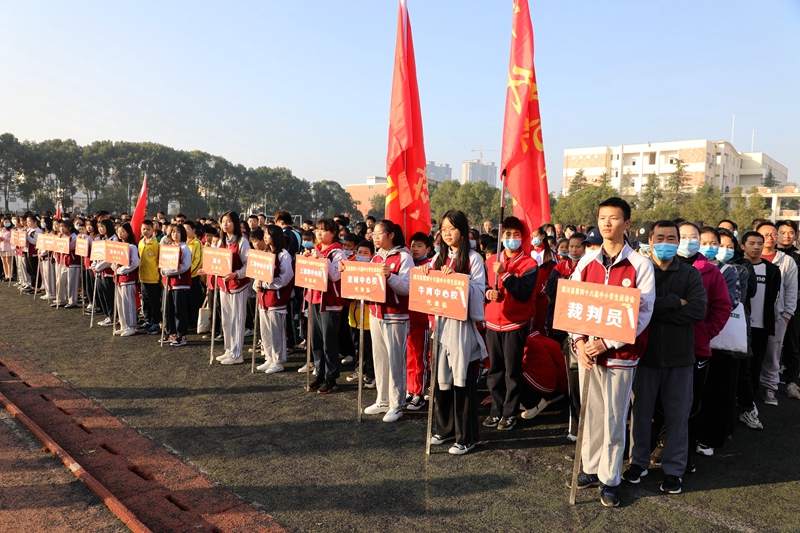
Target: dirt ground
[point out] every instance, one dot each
(305, 459)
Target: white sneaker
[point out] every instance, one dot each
(304, 368)
(224, 356)
(264, 366)
(274, 369)
(530, 413)
(232, 361)
(248, 333)
(702, 449)
(376, 409)
(393, 415)
(105, 323)
(347, 359)
(769, 397)
(128, 332)
(792, 391)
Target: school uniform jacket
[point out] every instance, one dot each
(629, 269)
(515, 307)
(400, 262)
(129, 275)
(239, 248)
(30, 239)
(180, 279)
(148, 260)
(416, 320)
(103, 268)
(330, 300)
(70, 259)
(543, 365)
(275, 296)
(787, 299)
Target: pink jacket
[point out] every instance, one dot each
(718, 307)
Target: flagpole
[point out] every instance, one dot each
(500, 226)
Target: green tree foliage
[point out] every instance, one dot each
(745, 210)
(110, 175)
(769, 179)
(479, 201)
(577, 183)
(706, 204)
(581, 207)
(378, 209)
(674, 192)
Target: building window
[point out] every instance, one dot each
(616, 173)
(653, 158)
(671, 160)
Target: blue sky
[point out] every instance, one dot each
(306, 85)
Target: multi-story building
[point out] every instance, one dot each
(363, 193)
(475, 170)
(439, 173)
(628, 167)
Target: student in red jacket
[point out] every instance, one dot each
(512, 280)
(545, 374)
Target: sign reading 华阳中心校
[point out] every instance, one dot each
(364, 281)
(439, 294)
(602, 311)
(311, 273)
(260, 265)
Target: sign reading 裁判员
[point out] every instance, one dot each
(602, 311)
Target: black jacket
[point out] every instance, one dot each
(773, 288)
(670, 338)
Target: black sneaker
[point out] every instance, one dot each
(671, 484)
(634, 474)
(608, 496)
(507, 423)
(315, 385)
(180, 341)
(328, 387)
(690, 467)
(491, 421)
(585, 481)
(438, 439)
(417, 402)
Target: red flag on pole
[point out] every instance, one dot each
(407, 200)
(58, 210)
(139, 211)
(523, 151)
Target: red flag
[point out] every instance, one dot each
(139, 211)
(407, 200)
(58, 210)
(523, 151)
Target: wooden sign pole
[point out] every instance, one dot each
(434, 377)
(360, 360)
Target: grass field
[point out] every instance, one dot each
(305, 459)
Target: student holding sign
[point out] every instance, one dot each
(389, 321)
(148, 277)
(104, 275)
(461, 348)
(70, 281)
(126, 278)
(233, 288)
(178, 283)
(326, 308)
(273, 298)
(6, 252)
(609, 365)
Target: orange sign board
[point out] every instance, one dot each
(260, 265)
(217, 261)
(602, 311)
(439, 294)
(117, 253)
(98, 251)
(48, 242)
(82, 246)
(169, 257)
(364, 281)
(62, 245)
(15, 238)
(311, 273)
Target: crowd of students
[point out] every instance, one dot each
(716, 319)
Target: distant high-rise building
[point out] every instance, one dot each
(439, 173)
(474, 170)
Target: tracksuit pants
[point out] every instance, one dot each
(233, 308)
(325, 343)
(750, 370)
(125, 299)
(177, 313)
(505, 379)
(456, 410)
(69, 282)
(604, 428)
(389, 357)
(273, 335)
(674, 386)
(151, 302)
(197, 294)
(771, 366)
(105, 294)
(418, 360)
(710, 424)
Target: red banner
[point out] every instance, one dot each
(117, 253)
(311, 273)
(603, 311)
(522, 157)
(82, 246)
(62, 245)
(439, 294)
(260, 265)
(364, 281)
(98, 251)
(169, 257)
(217, 261)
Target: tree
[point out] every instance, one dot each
(706, 204)
(676, 182)
(769, 179)
(581, 208)
(378, 209)
(651, 195)
(577, 183)
(479, 201)
(9, 165)
(745, 210)
(329, 199)
(605, 179)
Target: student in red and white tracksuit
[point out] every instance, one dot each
(69, 282)
(388, 322)
(608, 364)
(126, 278)
(233, 289)
(510, 293)
(417, 355)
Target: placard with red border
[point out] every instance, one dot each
(439, 294)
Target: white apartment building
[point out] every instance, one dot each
(439, 172)
(629, 166)
(474, 170)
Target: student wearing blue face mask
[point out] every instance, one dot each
(364, 253)
(509, 293)
(347, 347)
